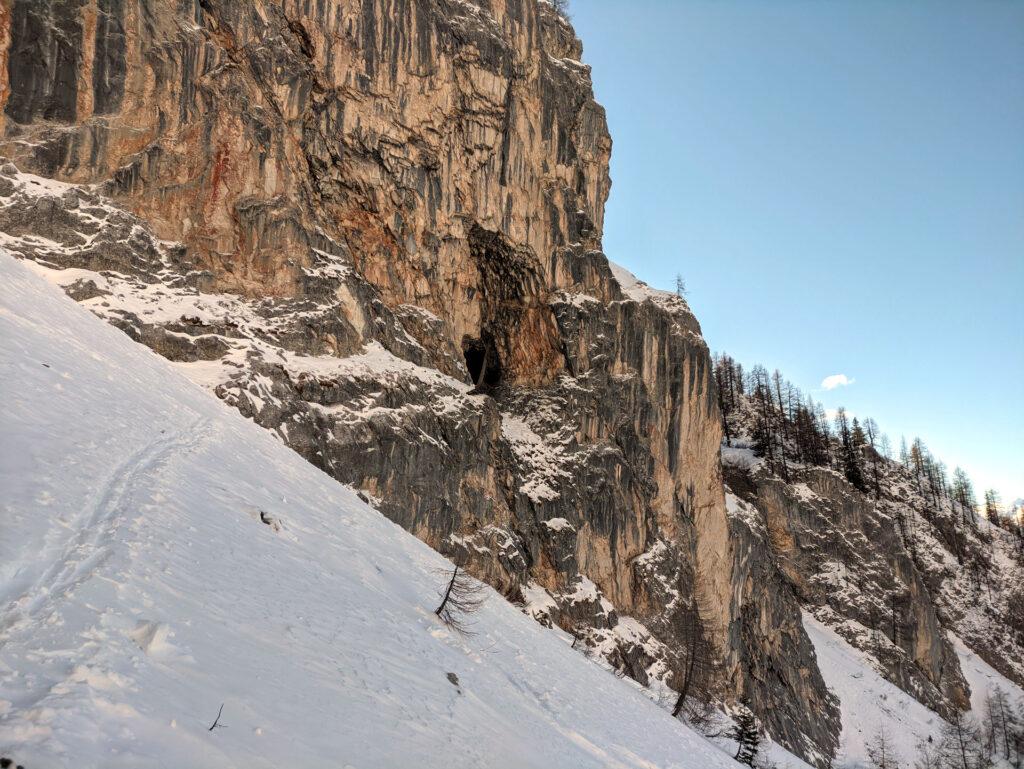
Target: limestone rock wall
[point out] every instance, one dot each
(775, 652)
(902, 575)
(842, 555)
(440, 144)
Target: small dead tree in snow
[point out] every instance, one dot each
(577, 632)
(881, 751)
(697, 668)
(463, 596)
(962, 746)
(928, 756)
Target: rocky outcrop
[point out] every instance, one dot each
(778, 658)
(903, 573)
(421, 136)
(844, 556)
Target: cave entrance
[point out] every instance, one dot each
(482, 360)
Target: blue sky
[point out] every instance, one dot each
(842, 186)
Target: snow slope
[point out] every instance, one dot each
(868, 702)
(983, 678)
(139, 590)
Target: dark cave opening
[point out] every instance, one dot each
(474, 351)
(482, 360)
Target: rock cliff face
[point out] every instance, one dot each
(374, 228)
(905, 575)
(822, 528)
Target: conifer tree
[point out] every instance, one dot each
(698, 664)
(783, 422)
(885, 446)
(764, 432)
(745, 733)
(849, 448)
(871, 432)
(462, 596)
(992, 505)
(963, 494)
(726, 403)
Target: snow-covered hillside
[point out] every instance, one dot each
(140, 590)
(870, 703)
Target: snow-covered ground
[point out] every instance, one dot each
(868, 702)
(162, 556)
(983, 678)
(639, 291)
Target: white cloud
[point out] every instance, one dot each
(836, 380)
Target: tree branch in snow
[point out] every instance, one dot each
(463, 596)
(216, 722)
